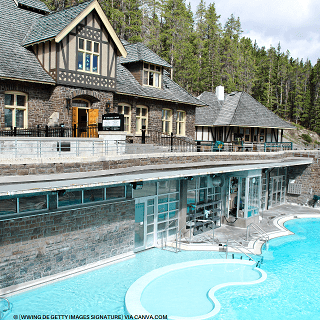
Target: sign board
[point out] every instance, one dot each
(113, 122)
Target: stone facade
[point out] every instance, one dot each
(37, 246)
(44, 100)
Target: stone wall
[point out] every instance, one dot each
(42, 245)
(309, 178)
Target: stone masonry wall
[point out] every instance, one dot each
(37, 246)
(309, 178)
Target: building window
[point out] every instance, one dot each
(15, 112)
(261, 139)
(151, 75)
(247, 135)
(126, 111)
(166, 121)
(141, 118)
(181, 123)
(88, 55)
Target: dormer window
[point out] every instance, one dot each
(88, 55)
(151, 75)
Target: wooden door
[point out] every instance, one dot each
(74, 121)
(93, 115)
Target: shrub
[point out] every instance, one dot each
(306, 137)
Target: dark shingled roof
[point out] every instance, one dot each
(36, 4)
(51, 25)
(239, 109)
(127, 84)
(204, 116)
(139, 52)
(17, 62)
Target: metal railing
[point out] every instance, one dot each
(263, 235)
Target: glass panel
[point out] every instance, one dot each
(150, 202)
(88, 64)
(95, 63)
(150, 210)
(162, 199)
(150, 240)
(173, 205)
(191, 184)
(162, 217)
(162, 226)
(202, 195)
(144, 111)
(173, 197)
(69, 198)
(8, 117)
(157, 68)
(150, 228)
(96, 47)
(148, 189)
(139, 227)
(9, 99)
(32, 203)
(203, 182)
(116, 192)
(81, 44)
(173, 214)
(145, 77)
(173, 223)
(126, 110)
(150, 219)
(19, 118)
(8, 206)
(80, 60)
(91, 195)
(89, 45)
(156, 80)
(150, 78)
(163, 207)
(164, 187)
(174, 185)
(172, 231)
(21, 101)
(151, 67)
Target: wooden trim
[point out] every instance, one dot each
(63, 56)
(43, 51)
(68, 56)
(49, 55)
(94, 5)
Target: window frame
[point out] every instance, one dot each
(166, 112)
(15, 107)
(127, 117)
(86, 52)
(141, 117)
(151, 69)
(183, 122)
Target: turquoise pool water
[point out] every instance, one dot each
(291, 290)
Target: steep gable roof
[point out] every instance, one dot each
(17, 62)
(139, 52)
(238, 109)
(58, 24)
(208, 115)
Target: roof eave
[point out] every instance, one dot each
(28, 80)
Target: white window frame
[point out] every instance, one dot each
(166, 118)
(15, 107)
(140, 117)
(127, 117)
(86, 52)
(183, 123)
(150, 73)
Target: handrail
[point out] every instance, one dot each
(264, 235)
(3, 298)
(241, 246)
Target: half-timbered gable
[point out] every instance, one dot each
(77, 47)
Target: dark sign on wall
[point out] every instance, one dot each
(113, 122)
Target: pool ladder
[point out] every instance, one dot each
(2, 312)
(263, 235)
(240, 248)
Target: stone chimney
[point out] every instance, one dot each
(220, 93)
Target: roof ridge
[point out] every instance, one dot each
(238, 103)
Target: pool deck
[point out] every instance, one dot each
(271, 222)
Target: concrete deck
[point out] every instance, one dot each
(271, 222)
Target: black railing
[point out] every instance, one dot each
(173, 143)
(83, 132)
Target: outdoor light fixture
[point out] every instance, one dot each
(107, 107)
(68, 103)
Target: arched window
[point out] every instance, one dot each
(15, 111)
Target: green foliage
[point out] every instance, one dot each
(306, 137)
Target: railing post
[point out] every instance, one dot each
(198, 146)
(15, 131)
(171, 142)
(46, 131)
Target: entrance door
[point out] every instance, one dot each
(277, 194)
(233, 196)
(145, 223)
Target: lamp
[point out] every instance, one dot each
(107, 107)
(68, 103)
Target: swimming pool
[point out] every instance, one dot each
(289, 292)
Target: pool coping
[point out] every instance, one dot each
(34, 284)
(133, 296)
